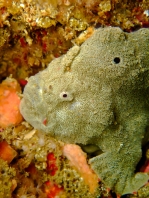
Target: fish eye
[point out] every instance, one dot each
(116, 60)
(66, 96)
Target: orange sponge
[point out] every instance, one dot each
(77, 159)
(7, 152)
(9, 103)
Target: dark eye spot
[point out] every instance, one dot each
(65, 95)
(50, 87)
(116, 60)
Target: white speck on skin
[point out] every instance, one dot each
(146, 12)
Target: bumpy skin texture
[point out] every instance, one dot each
(97, 94)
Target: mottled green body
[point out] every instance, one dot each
(97, 94)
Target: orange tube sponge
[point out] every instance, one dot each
(78, 159)
(9, 103)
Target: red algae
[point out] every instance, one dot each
(52, 190)
(51, 164)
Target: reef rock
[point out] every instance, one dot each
(97, 94)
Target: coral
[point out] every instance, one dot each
(7, 180)
(97, 94)
(41, 166)
(4, 37)
(9, 103)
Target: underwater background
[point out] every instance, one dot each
(33, 33)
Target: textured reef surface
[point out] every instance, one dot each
(33, 32)
(97, 94)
